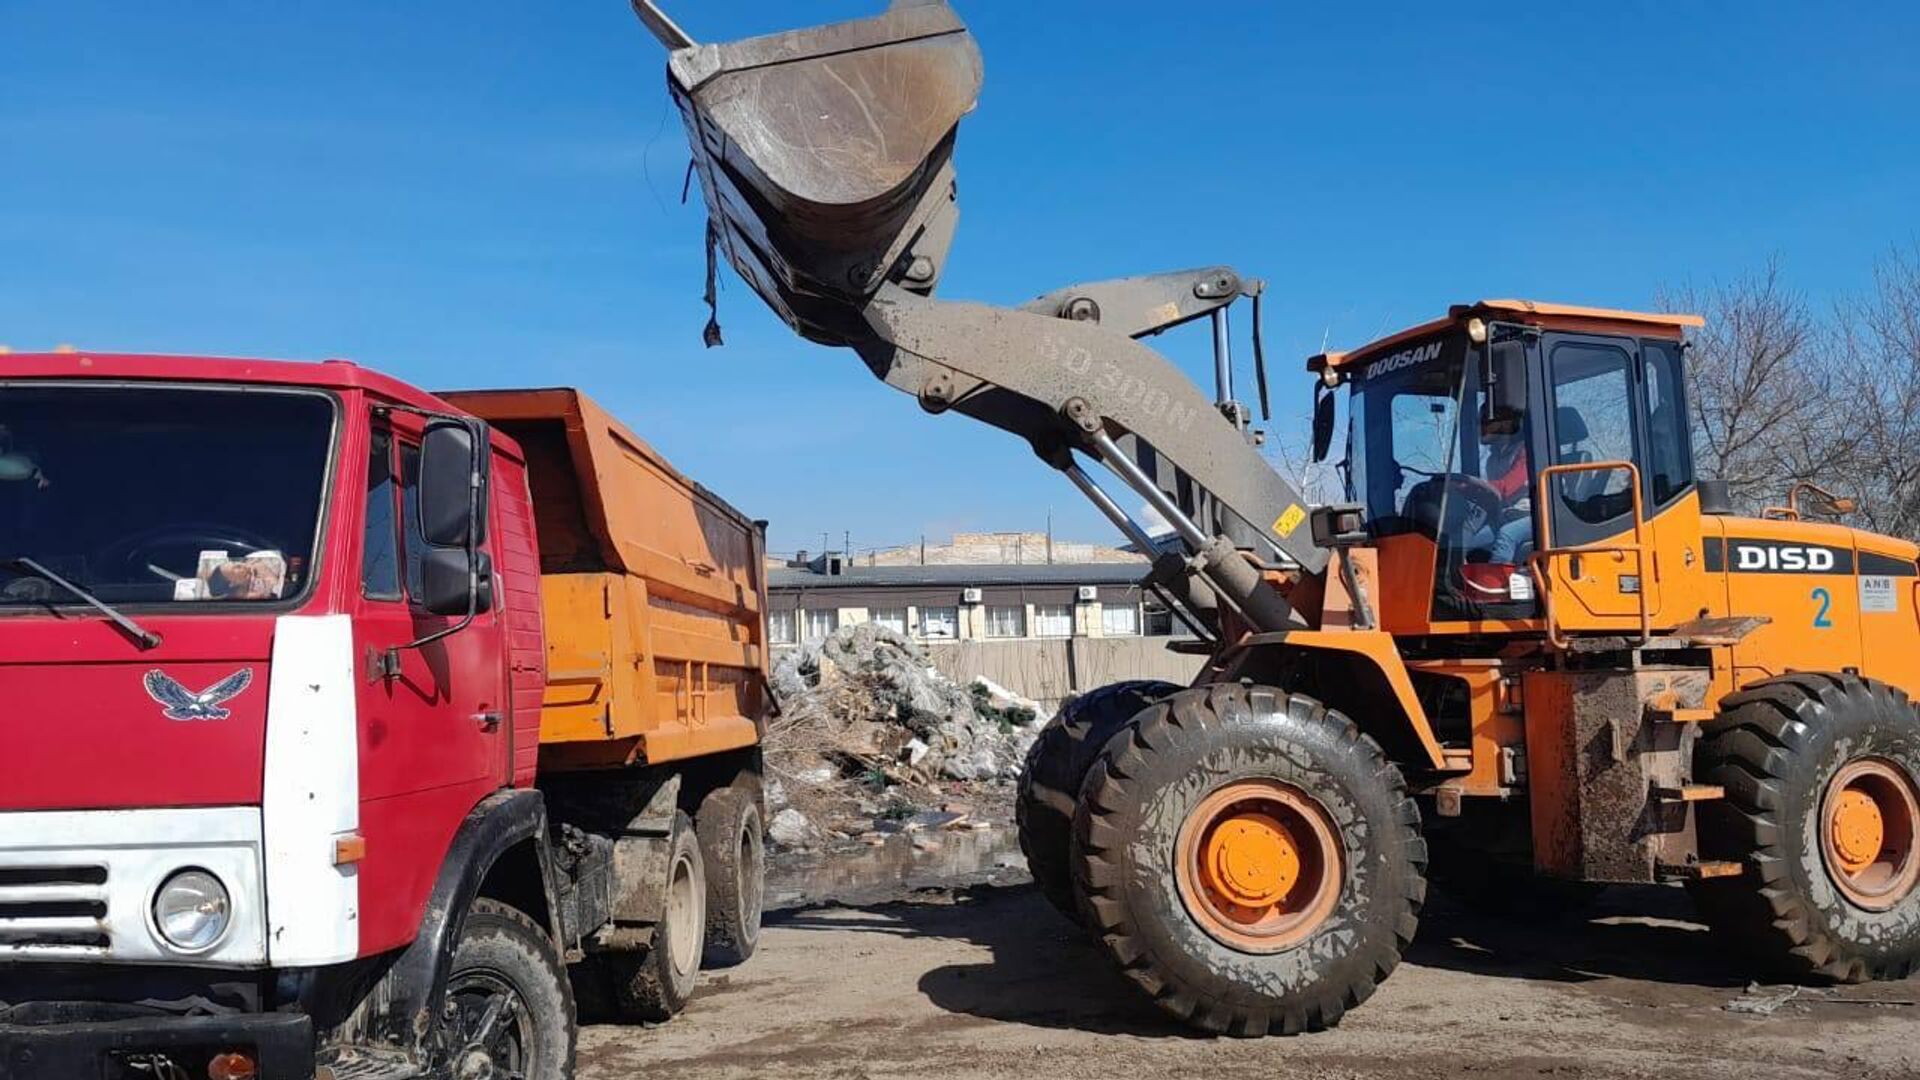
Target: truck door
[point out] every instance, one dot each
(1593, 393)
(432, 735)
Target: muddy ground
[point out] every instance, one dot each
(987, 981)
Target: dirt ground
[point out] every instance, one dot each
(989, 982)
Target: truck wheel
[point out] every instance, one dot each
(655, 985)
(733, 845)
(1056, 765)
(1823, 807)
(508, 1008)
(1250, 859)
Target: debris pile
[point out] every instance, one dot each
(872, 739)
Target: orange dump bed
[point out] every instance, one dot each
(654, 591)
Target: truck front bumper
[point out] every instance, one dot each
(281, 1044)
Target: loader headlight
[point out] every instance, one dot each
(192, 911)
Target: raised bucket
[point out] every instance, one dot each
(825, 154)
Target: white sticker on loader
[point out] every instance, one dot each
(1876, 593)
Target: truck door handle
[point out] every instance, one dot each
(488, 721)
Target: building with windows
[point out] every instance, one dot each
(964, 603)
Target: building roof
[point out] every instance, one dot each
(866, 577)
(1527, 311)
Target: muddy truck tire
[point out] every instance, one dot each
(509, 1008)
(1822, 779)
(1250, 860)
(654, 985)
(1056, 766)
(733, 847)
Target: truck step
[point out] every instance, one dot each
(1683, 716)
(1690, 793)
(1701, 871)
(366, 1063)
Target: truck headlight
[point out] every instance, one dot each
(192, 911)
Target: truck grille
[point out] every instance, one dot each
(53, 909)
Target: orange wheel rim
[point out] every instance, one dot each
(1258, 865)
(1868, 826)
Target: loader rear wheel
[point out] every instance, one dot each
(1057, 765)
(1249, 859)
(733, 845)
(1822, 805)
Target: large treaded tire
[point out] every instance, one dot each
(1143, 787)
(733, 845)
(1774, 748)
(501, 945)
(1057, 765)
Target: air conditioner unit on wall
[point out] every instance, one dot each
(1087, 592)
(969, 596)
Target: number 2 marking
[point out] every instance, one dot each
(1820, 620)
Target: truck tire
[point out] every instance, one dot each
(733, 845)
(654, 985)
(1250, 859)
(1056, 765)
(1822, 779)
(508, 1006)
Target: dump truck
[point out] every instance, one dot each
(344, 719)
(1530, 651)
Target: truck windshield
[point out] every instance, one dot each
(158, 494)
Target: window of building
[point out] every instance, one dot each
(940, 623)
(893, 618)
(1006, 621)
(1053, 620)
(1158, 618)
(380, 545)
(1119, 620)
(780, 627)
(820, 623)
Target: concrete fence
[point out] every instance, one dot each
(1048, 670)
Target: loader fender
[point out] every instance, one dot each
(503, 824)
(1372, 685)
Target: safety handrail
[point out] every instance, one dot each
(1538, 561)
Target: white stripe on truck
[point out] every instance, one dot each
(312, 793)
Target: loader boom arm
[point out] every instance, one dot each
(825, 160)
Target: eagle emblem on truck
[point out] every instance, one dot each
(181, 703)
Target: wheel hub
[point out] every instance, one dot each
(1858, 830)
(1252, 859)
(1871, 816)
(1258, 865)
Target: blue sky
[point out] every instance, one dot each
(486, 194)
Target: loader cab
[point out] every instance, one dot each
(1521, 464)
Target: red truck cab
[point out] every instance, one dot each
(272, 661)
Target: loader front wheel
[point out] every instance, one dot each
(1249, 859)
(1057, 765)
(1822, 808)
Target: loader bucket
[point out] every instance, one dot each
(825, 155)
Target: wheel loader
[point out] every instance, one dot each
(1531, 653)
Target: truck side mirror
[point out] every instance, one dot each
(1322, 421)
(1506, 382)
(453, 483)
(444, 575)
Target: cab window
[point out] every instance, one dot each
(1669, 454)
(1593, 422)
(380, 546)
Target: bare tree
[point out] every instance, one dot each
(1762, 378)
(1876, 397)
